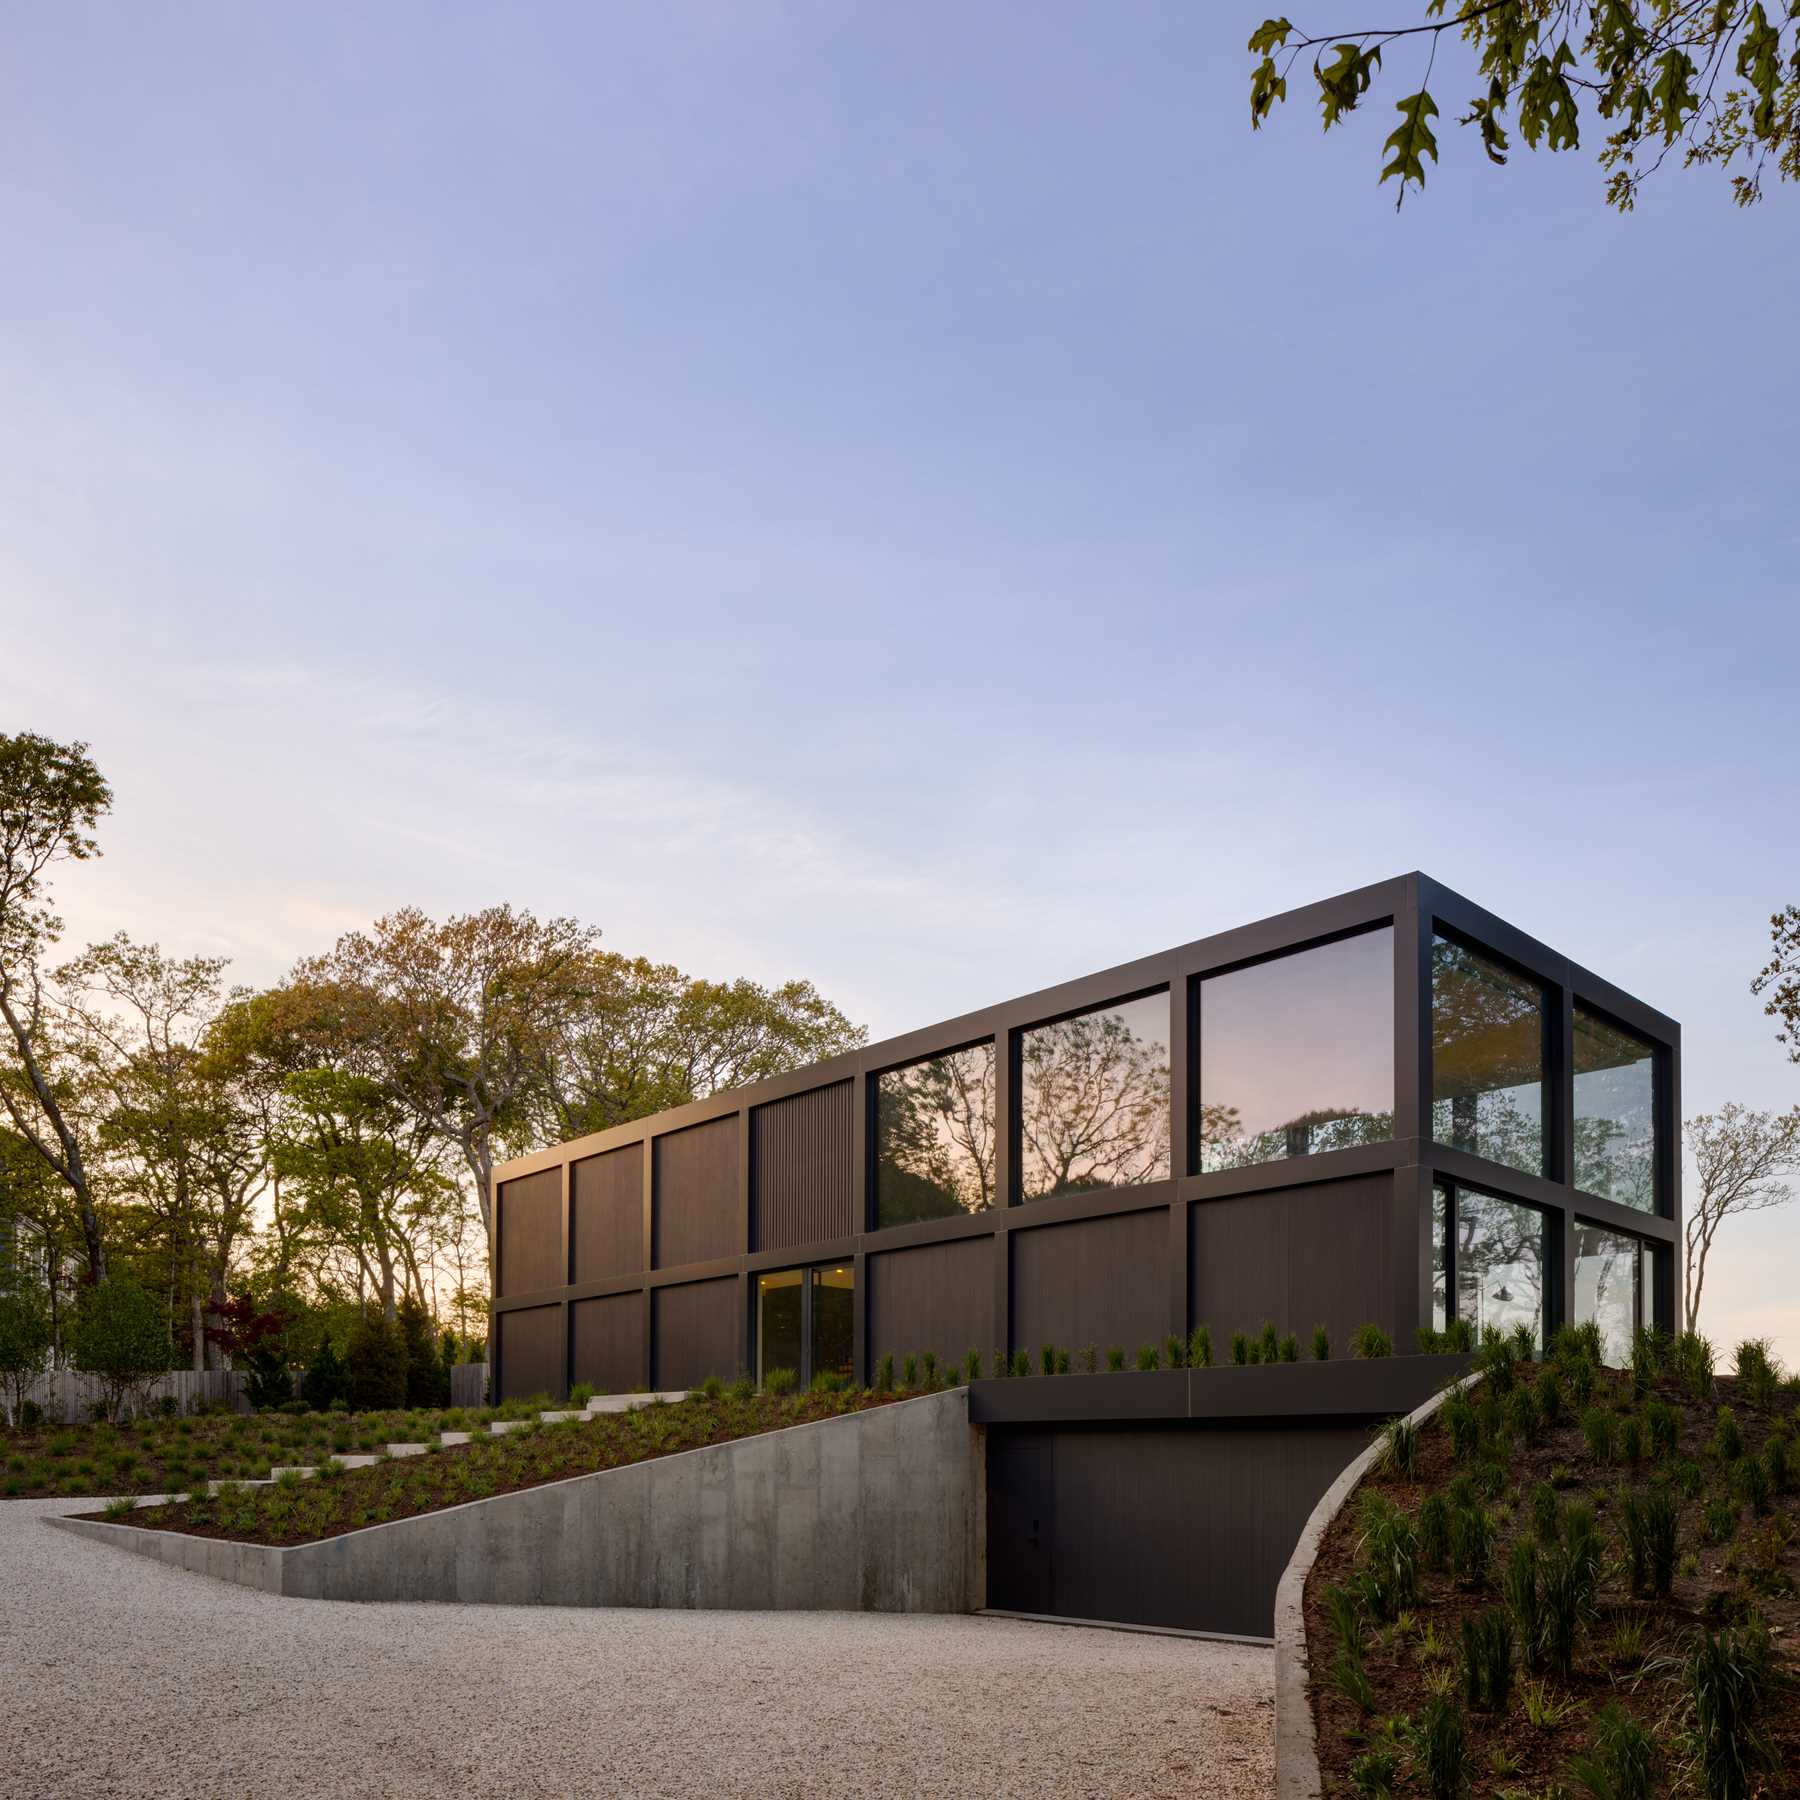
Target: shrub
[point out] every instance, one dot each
(1290, 1348)
(1649, 1352)
(1321, 1344)
(1631, 1440)
(1390, 1557)
(1174, 1352)
(1047, 1358)
(1002, 1368)
(1090, 1360)
(1240, 1349)
(1547, 1391)
(780, 1381)
(1599, 1428)
(1663, 1423)
(1268, 1343)
(1570, 1579)
(1147, 1357)
(1200, 1347)
(1373, 1774)
(1692, 1358)
(581, 1393)
(1721, 1521)
(1370, 1341)
(24, 1346)
(1651, 1522)
(1346, 1670)
(1487, 1649)
(1728, 1437)
(1522, 1414)
(1523, 1602)
(741, 1387)
(1728, 1678)
(1620, 1761)
(827, 1381)
(1434, 1531)
(1021, 1363)
(1441, 1746)
(929, 1368)
(1758, 1373)
(1400, 1447)
(1778, 1459)
(1497, 1359)
(712, 1388)
(1750, 1482)
(909, 1370)
(1464, 1425)
(121, 1336)
(884, 1373)
(971, 1367)
(375, 1363)
(1471, 1544)
(1115, 1358)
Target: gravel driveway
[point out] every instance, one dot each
(123, 1677)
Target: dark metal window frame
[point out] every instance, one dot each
(1414, 905)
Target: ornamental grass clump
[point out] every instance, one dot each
(1290, 1347)
(1524, 1604)
(1370, 1341)
(1692, 1360)
(1600, 1431)
(1147, 1357)
(1728, 1436)
(1620, 1760)
(1347, 1673)
(1268, 1344)
(1174, 1352)
(1487, 1653)
(1400, 1448)
(1021, 1363)
(1389, 1557)
(1441, 1751)
(1651, 1523)
(1321, 1344)
(1115, 1358)
(1434, 1531)
(884, 1373)
(1729, 1678)
(1758, 1373)
(1240, 1349)
(1471, 1544)
(1200, 1347)
(972, 1365)
(1090, 1360)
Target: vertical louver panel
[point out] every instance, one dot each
(801, 1174)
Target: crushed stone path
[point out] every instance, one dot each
(124, 1677)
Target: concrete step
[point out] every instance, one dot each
(304, 1470)
(355, 1462)
(556, 1418)
(618, 1403)
(500, 1427)
(410, 1449)
(447, 1438)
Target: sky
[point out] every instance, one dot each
(921, 498)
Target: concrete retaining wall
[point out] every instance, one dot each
(882, 1511)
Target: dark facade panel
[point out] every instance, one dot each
(697, 1332)
(1297, 1257)
(1184, 1526)
(606, 1215)
(606, 1342)
(938, 1297)
(802, 1172)
(1098, 1281)
(531, 1233)
(531, 1352)
(696, 1193)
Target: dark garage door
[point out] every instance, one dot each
(1185, 1525)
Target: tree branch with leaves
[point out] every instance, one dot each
(1741, 1157)
(1717, 78)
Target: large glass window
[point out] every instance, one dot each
(1498, 1250)
(934, 1137)
(1094, 1100)
(1609, 1280)
(1440, 1256)
(780, 1299)
(1487, 1058)
(833, 1322)
(1615, 1112)
(1297, 1053)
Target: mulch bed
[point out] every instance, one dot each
(1534, 1758)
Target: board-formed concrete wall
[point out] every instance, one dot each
(878, 1511)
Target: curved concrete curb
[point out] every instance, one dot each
(1296, 1750)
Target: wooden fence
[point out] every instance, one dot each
(468, 1384)
(67, 1396)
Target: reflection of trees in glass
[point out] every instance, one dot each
(1615, 1113)
(1225, 1145)
(1094, 1100)
(1487, 1058)
(1499, 1263)
(1606, 1278)
(934, 1134)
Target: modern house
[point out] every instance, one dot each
(1391, 1107)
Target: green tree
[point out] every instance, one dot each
(121, 1336)
(1780, 980)
(1717, 80)
(325, 1379)
(427, 1383)
(51, 799)
(24, 1343)
(375, 1363)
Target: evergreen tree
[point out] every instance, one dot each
(325, 1378)
(426, 1382)
(375, 1363)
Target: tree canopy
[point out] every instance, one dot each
(1716, 81)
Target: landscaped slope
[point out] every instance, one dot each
(1571, 1581)
(334, 1500)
